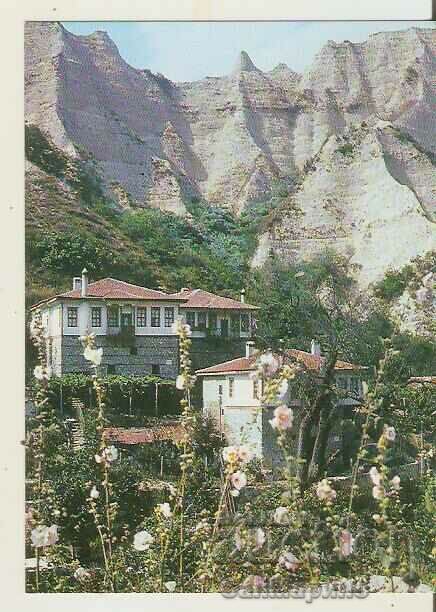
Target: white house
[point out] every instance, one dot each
(133, 324)
(234, 397)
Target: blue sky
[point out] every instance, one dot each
(187, 51)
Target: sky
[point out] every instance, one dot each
(188, 51)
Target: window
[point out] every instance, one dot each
(133, 350)
(231, 386)
(220, 389)
(213, 320)
(190, 319)
(141, 316)
(111, 369)
(169, 316)
(354, 386)
(342, 382)
(245, 323)
(201, 320)
(235, 324)
(155, 369)
(72, 317)
(155, 316)
(96, 316)
(113, 316)
(255, 389)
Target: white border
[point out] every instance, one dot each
(12, 271)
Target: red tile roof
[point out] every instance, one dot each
(246, 364)
(112, 288)
(198, 298)
(172, 431)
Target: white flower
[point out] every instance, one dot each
(282, 390)
(180, 382)
(110, 454)
(244, 453)
(375, 476)
(170, 586)
(238, 480)
(268, 363)
(203, 525)
(427, 280)
(93, 355)
(81, 574)
(44, 536)
(94, 494)
(281, 515)
(42, 373)
(259, 537)
(346, 543)
(378, 492)
(395, 482)
(180, 328)
(230, 454)
(324, 491)
(283, 417)
(377, 518)
(289, 561)
(142, 540)
(98, 458)
(423, 295)
(389, 434)
(165, 510)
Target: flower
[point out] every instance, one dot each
(165, 510)
(427, 280)
(423, 295)
(180, 382)
(281, 515)
(395, 482)
(170, 586)
(325, 492)
(230, 454)
(180, 328)
(110, 454)
(283, 417)
(244, 454)
(238, 480)
(282, 390)
(254, 582)
(93, 355)
(94, 494)
(375, 475)
(81, 574)
(142, 540)
(259, 537)
(289, 561)
(268, 364)
(98, 458)
(378, 492)
(346, 543)
(389, 434)
(377, 518)
(44, 536)
(42, 373)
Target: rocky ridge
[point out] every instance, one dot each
(352, 139)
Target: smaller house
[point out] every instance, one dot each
(234, 397)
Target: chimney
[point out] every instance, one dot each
(84, 283)
(243, 296)
(249, 348)
(315, 348)
(77, 283)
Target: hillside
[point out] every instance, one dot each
(342, 155)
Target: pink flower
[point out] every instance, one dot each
(283, 417)
(346, 543)
(238, 480)
(289, 561)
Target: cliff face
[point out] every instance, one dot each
(353, 138)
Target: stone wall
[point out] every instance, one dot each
(146, 352)
(208, 352)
